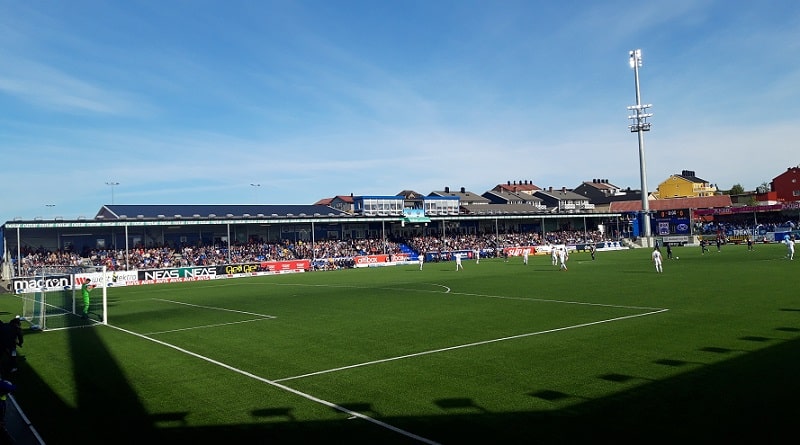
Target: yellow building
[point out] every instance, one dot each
(684, 185)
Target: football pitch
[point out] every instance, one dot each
(500, 352)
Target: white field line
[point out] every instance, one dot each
(26, 421)
(217, 308)
(468, 345)
(342, 409)
(548, 300)
(260, 317)
(217, 325)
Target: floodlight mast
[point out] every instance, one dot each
(639, 126)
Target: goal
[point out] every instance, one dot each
(56, 301)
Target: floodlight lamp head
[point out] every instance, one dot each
(635, 58)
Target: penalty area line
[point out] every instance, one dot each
(274, 383)
(216, 325)
(468, 345)
(216, 308)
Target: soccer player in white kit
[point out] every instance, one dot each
(554, 255)
(790, 246)
(458, 262)
(657, 260)
(563, 257)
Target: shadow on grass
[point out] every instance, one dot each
(747, 398)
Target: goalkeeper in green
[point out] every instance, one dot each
(86, 287)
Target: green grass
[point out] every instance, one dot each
(497, 353)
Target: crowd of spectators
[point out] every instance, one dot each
(335, 254)
(328, 254)
(746, 225)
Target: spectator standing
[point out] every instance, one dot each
(11, 337)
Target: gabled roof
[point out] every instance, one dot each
(600, 184)
(328, 201)
(701, 202)
(791, 171)
(494, 209)
(690, 176)
(464, 196)
(344, 198)
(501, 197)
(562, 194)
(514, 187)
(410, 194)
(117, 211)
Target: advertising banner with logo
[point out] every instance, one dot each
(286, 266)
(520, 251)
(113, 278)
(24, 285)
(371, 260)
(177, 275)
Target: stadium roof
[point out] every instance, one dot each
(148, 211)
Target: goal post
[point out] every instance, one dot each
(55, 301)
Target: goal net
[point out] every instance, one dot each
(57, 300)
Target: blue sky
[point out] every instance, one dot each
(191, 102)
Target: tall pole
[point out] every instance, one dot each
(112, 184)
(639, 126)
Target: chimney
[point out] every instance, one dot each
(508, 182)
(463, 190)
(551, 188)
(563, 189)
(447, 189)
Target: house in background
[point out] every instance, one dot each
(465, 197)
(342, 203)
(500, 197)
(526, 187)
(563, 200)
(684, 185)
(413, 200)
(786, 186)
(600, 191)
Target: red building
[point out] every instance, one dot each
(787, 185)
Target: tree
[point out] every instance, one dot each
(763, 188)
(736, 189)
